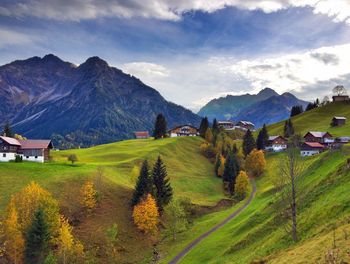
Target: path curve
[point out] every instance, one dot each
(195, 242)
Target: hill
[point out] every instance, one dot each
(318, 119)
(84, 105)
(266, 107)
(190, 175)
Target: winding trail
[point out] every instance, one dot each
(195, 242)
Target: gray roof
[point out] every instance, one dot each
(340, 117)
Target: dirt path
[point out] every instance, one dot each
(195, 242)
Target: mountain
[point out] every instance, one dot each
(83, 105)
(266, 107)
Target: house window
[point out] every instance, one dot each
(27, 157)
(36, 157)
(4, 155)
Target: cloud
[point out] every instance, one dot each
(326, 58)
(146, 69)
(10, 37)
(76, 10)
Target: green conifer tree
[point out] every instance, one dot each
(160, 127)
(248, 142)
(263, 138)
(144, 184)
(231, 171)
(7, 130)
(163, 190)
(203, 126)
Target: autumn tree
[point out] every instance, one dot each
(255, 162)
(37, 239)
(203, 126)
(160, 127)
(176, 220)
(163, 190)
(144, 184)
(88, 196)
(65, 240)
(217, 164)
(262, 139)
(146, 215)
(221, 169)
(14, 241)
(209, 136)
(248, 142)
(72, 158)
(242, 185)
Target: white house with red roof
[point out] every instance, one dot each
(311, 148)
(29, 150)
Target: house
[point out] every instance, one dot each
(277, 143)
(29, 150)
(245, 125)
(227, 125)
(338, 121)
(340, 98)
(320, 137)
(184, 130)
(311, 148)
(342, 140)
(141, 134)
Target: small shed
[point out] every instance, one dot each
(338, 121)
(340, 98)
(141, 134)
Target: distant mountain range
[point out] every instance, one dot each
(83, 105)
(266, 107)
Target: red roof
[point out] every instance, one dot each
(35, 144)
(141, 133)
(314, 144)
(11, 141)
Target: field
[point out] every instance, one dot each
(190, 173)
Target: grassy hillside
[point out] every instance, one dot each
(190, 173)
(255, 235)
(318, 119)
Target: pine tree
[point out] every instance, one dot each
(37, 238)
(263, 138)
(203, 126)
(160, 127)
(144, 184)
(248, 142)
(163, 190)
(231, 171)
(296, 110)
(288, 128)
(291, 127)
(209, 136)
(215, 126)
(7, 130)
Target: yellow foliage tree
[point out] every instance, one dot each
(209, 136)
(29, 200)
(65, 239)
(88, 196)
(146, 215)
(222, 166)
(14, 241)
(255, 162)
(242, 184)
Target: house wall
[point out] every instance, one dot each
(307, 153)
(339, 122)
(7, 156)
(33, 158)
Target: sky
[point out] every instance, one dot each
(192, 51)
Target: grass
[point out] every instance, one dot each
(191, 176)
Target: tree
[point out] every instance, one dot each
(37, 239)
(65, 240)
(296, 110)
(203, 126)
(88, 196)
(222, 166)
(146, 215)
(288, 128)
(230, 172)
(144, 184)
(215, 126)
(14, 241)
(112, 238)
(242, 185)
(209, 136)
(325, 100)
(7, 130)
(176, 218)
(289, 190)
(160, 127)
(72, 158)
(248, 142)
(263, 138)
(255, 162)
(163, 190)
(339, 90)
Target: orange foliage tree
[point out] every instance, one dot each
(146, 215)
(255, 162)
(241, 185)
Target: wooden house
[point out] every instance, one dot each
(320, 137)
(29, 150)
(340, 98)
(184, 130)
(141, 134)
(338, 121)
(311, 148)
(245, 125)
(227, 125)
(277, 143)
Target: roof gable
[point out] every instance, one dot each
(11, 141)
(36, 144)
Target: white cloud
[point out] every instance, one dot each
(75, 10)
(10, 37)
(194, 83)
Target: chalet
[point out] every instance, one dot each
(338, 121)
(277, 143)
(141, 134)
(311, 148)
(340, 98)
(182, 131)
(342, 140)
(320, 137)
(29, 150)
(245, 125)
(227, 125)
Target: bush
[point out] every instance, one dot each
(72, 158)
(18, 158)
